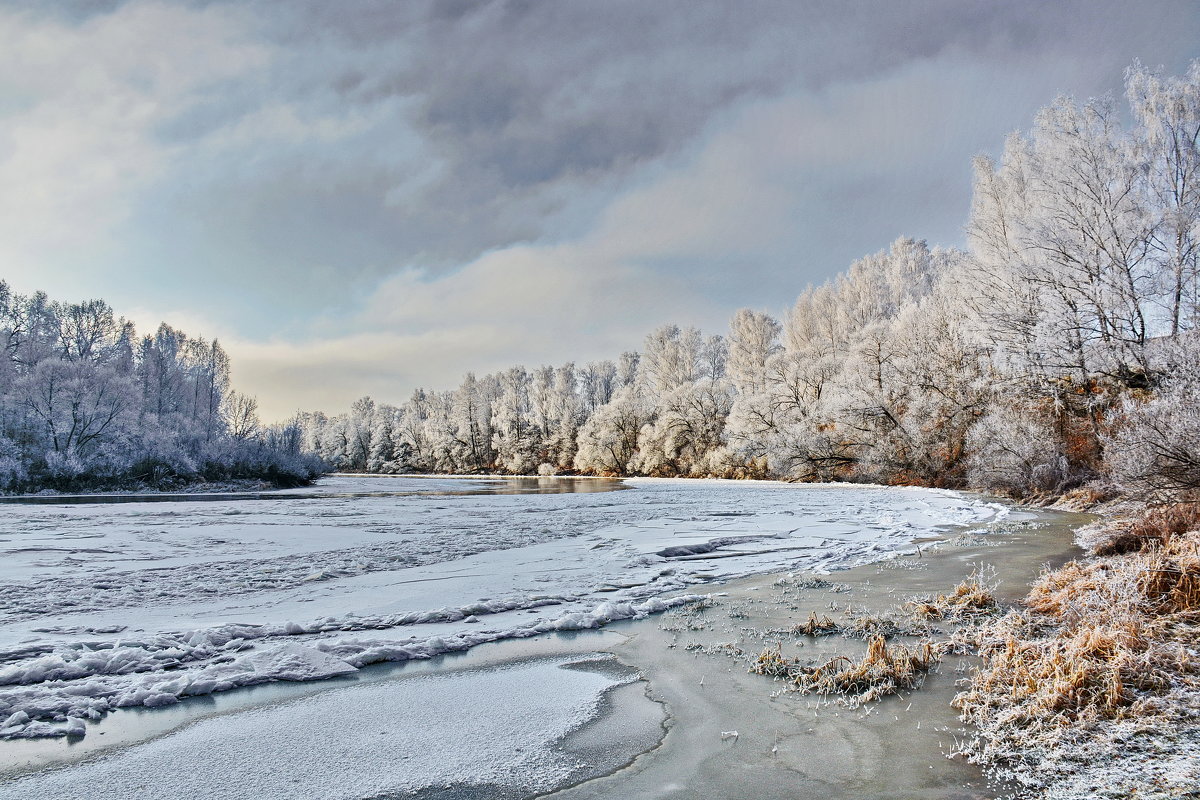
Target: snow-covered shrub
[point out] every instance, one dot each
(267, 458)
(608, 441)
(809, 452)
(688, 426)
(1016, 449)
(63, 466)
(13, 471)
(1155, 443)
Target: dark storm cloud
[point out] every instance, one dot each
(308, 156)
(522, 102)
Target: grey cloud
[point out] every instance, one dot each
(518, 100)
(518, 97)
(425, 133)
(72, 10)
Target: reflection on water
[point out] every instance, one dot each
(472, 486)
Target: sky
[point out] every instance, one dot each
(364, 197)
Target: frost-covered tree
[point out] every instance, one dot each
(517, 429)
(412, 433)
(627, 368)
(714, 354)
(358, 428)
(608, 441)
(78, 406)
(753, 339)
(439, 432)
(1168, 115)
(598, 382)
(1015, 448)
(936, 381)
(241, 416)
(1062, 232)
(566, 416)
(384, 455)
(161, 370)
(470, 426)
(87, 331)
(672, 358)
(686, 437)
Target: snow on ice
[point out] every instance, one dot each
(112, 606)
(496, 727)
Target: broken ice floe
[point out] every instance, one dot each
(51, 695)
(299, 576)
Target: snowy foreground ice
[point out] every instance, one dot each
(108, 606)
(490, 727)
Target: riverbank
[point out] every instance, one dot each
(1091, 687)
(731, 733)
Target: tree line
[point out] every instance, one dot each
(1059, 348)
(85, 403)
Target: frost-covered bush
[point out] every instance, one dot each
(267, 458)
(751, 422)
(608, 441)
(810, 453)
(1016, 449)
(64, 467)
(688, 427)
(13, 470)
(1155, 443)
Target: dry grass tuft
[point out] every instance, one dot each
(1157, 526)
(816, 627)
(1163, 578)
(1089, 672)
(971, 598)
(1085, 497)
(1170, 580)
(884, 669)
(868, 626)
(1099, 645)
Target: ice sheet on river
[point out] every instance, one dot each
(109, 606)
(496, 727)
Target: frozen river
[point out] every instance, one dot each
(123, 605)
